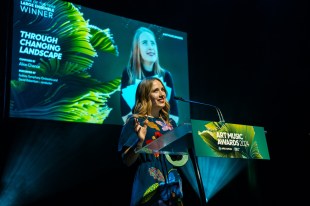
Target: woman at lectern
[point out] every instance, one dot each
(157, 181)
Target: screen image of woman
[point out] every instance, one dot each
(144, 62)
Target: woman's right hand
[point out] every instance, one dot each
(141, 129)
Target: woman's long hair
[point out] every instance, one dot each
(143, 104)
(134, 67)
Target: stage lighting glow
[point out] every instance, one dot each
(37, 163)
(215, 172)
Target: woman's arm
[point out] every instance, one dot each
(130, 155)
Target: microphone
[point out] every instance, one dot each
(219, 113)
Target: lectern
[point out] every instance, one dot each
(178, 141)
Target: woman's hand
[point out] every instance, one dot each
(141, 129)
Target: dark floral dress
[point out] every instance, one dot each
(155, 178)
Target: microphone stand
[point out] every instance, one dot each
(219, 113)
(203, 199)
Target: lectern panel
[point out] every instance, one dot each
(177, 141)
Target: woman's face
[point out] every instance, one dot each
(148, 48)
(158, 95)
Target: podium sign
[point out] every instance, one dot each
(216, 139)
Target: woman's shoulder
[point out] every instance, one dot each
(125, 71)
(166, 73)
(131, 118)
(167, 77)
(125, 77)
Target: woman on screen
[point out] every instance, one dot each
(157, 181)
(144, 62)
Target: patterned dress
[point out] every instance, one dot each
(155, 178)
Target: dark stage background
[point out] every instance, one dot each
(249, 58)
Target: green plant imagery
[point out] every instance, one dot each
(75, 96)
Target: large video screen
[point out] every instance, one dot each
(72, 63)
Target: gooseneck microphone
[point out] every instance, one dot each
(219, 113)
